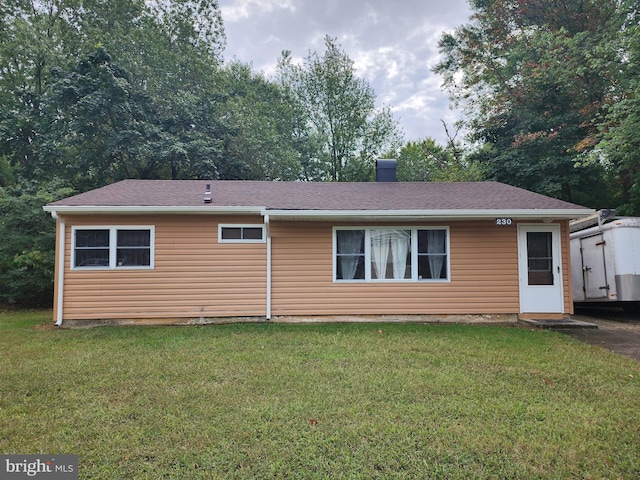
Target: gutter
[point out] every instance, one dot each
(443, 214)
(60, 263)
(280, 214)
(193, 209)
(268, 231)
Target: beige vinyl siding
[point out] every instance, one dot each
(483, 276)
(193, 275)
(566, 267)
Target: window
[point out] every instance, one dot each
(113, 247)
(350, 254)
(432, 254)
(391, 254)
(540, 258)
(241, 234)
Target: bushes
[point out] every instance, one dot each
(27, 250)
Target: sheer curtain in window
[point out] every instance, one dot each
(435, 247)
(400, 241)
(395, 241)
(350, 251)
(380, 240)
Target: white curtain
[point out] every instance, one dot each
(396, 242)
(435, 247)
(380, 240)
(399, 248)
(350, 246)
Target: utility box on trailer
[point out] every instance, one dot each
(605, 261)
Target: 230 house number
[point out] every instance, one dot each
(504, 222)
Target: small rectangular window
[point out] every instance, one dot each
(241, 233)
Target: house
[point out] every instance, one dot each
(156, 251)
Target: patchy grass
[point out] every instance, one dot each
(318, 401)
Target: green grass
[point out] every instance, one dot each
(318, 401)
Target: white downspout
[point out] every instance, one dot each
(268, 231)
(60, 262)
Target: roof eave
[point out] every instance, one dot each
(445, 214)
(388, 215)
(152, 209)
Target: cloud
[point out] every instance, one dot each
(239, 10)
(393, 46)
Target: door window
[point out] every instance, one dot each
(540, 258)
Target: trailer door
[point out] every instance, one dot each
(594, 268)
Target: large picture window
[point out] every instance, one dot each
(391, 254)
(113, 247)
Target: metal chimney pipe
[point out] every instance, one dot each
(386, 170)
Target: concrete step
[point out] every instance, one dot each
(563, 323)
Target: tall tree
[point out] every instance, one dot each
(258, 124)
(523, 71)
(619, 149)
(426, 161)
(337, 113)
(171, 50)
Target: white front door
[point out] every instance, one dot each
(540, 269)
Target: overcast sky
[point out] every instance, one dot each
(393, 44)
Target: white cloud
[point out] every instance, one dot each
(238, 10)
(393, 45)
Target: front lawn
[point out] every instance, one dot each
(318, 401)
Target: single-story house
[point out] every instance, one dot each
(156, 251)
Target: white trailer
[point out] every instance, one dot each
(605, 261)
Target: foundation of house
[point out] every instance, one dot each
(479, 319)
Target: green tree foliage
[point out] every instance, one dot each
(28, 244)
(336, 115)
(619, 148)
(426, 161)
(99, 128)
(525, 73)
(258, 121)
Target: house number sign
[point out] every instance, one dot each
(504, 222)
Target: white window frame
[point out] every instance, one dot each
(241, 226)
(414, 255)
(113, 247)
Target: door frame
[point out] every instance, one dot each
(554, 301)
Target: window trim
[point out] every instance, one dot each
(113, 247)
(242, 226)
(414, 254)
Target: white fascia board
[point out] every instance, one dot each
(125, 209)
(401, 215)
(529, 214)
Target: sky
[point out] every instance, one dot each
(394, 45)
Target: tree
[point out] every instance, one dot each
(99, 126)
(336, 113)
(258, 123)
(427, 161)
(170, 51)
(28, 244)
(619, 149)
(524, 72)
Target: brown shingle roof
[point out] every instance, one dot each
(317, 196)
